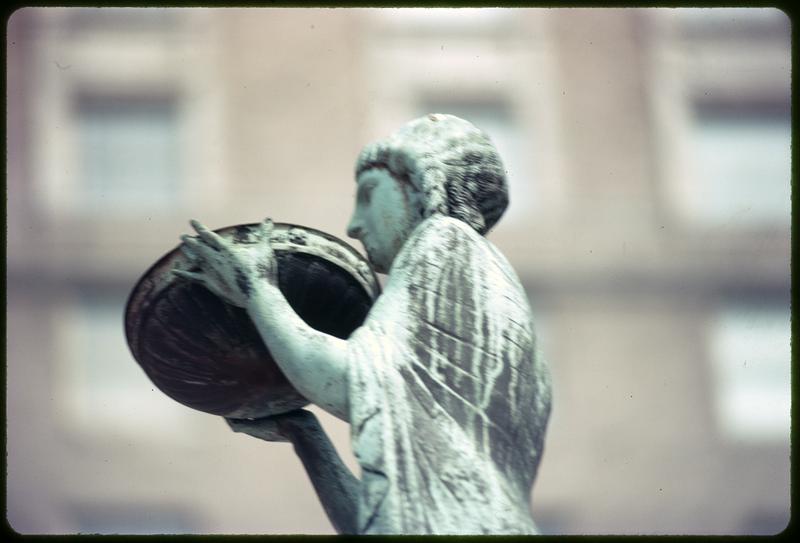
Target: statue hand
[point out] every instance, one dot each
(227, 269)
(277, 427)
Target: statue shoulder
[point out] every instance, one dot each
(443, 228)
(444, 237)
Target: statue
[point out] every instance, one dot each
(446, 396)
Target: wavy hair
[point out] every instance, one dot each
(451, 162)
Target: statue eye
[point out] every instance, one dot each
(364, 194)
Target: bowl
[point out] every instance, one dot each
(206, 353)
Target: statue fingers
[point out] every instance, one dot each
(190, 247)
(195, 253)
(265, 428)
(211, 238)
(237, 425)
(265, 229)
(191, 276)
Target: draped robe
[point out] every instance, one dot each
(448, 400)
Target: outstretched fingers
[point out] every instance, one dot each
(192, 276)
(191, 247)
(211, 238)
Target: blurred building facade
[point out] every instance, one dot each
(649, 162)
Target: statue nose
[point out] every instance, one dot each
(354, 229)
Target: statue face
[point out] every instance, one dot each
(384, 216)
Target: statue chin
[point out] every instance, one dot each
(378, 267)
(377, 263)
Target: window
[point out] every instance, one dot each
(128, 153)
(102, 386)
(122, 116)
(751, 358)
(741, 161)
(721, 91)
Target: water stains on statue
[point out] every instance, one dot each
(453, 400)
(447, 397)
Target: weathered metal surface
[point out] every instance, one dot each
(449, 399)
(446, 395)
(453, 400)
(208, 355)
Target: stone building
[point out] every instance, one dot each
(649, 161)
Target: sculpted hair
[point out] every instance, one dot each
(451, 162)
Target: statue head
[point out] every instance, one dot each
(438, 164)
(387, 210)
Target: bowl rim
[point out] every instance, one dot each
(285, 236)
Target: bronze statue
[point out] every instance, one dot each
(447, 398)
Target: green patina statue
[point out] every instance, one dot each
(446, 396)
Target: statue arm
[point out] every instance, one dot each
(333, 482)
(314, 362)
(246, 276)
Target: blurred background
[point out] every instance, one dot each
(649, 160)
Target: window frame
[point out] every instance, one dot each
(93, 419)
(687, 71)
(169, 60)
(729, 376)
